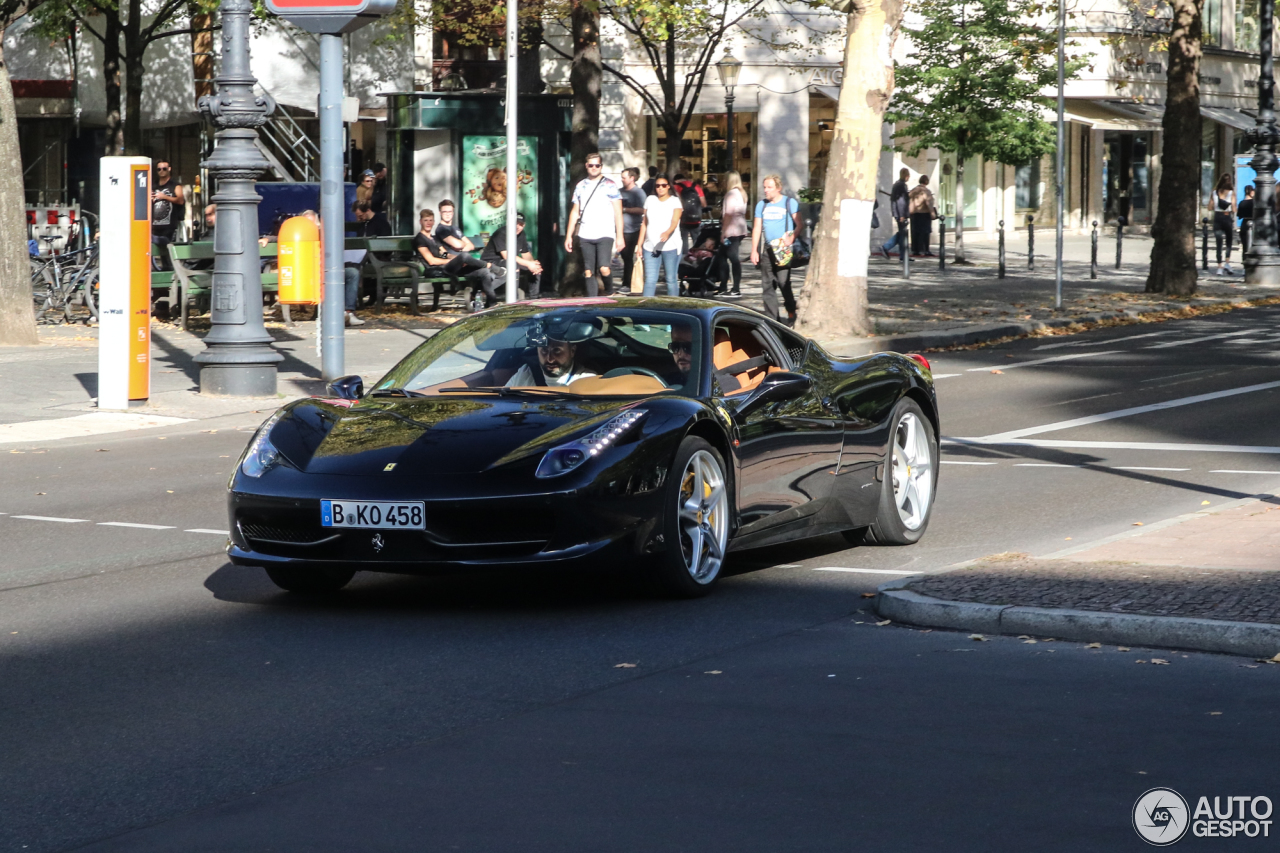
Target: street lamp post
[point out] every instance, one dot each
(1262, 261)
(728, 68)
(239, 360)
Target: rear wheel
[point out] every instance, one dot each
(697, 521)
(910, 478)
(312, 580)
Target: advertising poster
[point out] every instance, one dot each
(483, 204)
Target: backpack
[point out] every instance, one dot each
(692, 205)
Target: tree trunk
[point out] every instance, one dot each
(957, 255)
(834, 300)
(114, 144)
(670, 119)
(134, 50)
(584, 77)
(17, 319)
(1173, 249)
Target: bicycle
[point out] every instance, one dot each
(61, 282)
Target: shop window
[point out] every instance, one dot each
(1212, 21)
(1026, 186)
(1247, 22)
(1208, 158)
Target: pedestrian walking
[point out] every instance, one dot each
(693, 200)
(596, 221)
(923, 211)
(733, 228)
(777, 219)
(1244, 210)
(648, 185)
(899, 212)
(1223, 207)
(658, 238)
(633, 199)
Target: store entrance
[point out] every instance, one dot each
(1126, 176)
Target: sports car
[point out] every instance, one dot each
(660, 433)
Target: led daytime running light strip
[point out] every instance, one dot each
(607, 434)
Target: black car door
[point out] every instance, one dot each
(788, 449)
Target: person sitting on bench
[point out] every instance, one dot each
(462, 264)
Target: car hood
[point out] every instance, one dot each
(437, 435)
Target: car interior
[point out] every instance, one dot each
(743, 355)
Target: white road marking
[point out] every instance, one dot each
(206, 530)
(946, 375)
(955, 462)
(1185, 341)
(1229, 471)
(865, 571)
(50, 518)
(95, 423)
(1118, 445)
(1003, 437)
(132, 524)
(1142, 468)
(1102, 343)
(1044, 465)
(1043, 361)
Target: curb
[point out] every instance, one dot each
(967, 336)
(1251, 639)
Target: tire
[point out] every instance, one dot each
(312, 580)
(910, 478)
(697, 532)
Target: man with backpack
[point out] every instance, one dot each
(692, 200)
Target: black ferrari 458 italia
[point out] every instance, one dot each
(654, 432)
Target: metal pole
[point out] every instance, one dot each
(1204, 243)
(905, 250)
(1001, 272)
(1031, 242)
(332, 216)
(1120, 220)
(1093, 252)
(942, 243)
(240, 359)
(728, 105)
(1262, 263)
(513, 176)
(1061, 166)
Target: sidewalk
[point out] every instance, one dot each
(1208, 581)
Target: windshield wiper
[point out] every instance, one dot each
(504, 391)
(394, 392)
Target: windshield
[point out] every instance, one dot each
(573, 350)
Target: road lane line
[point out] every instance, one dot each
(946, 375)
(1124, 413)
(1143, 468)
(1101, 343)
(207, 530)
(95, 423)
(1044, 465)
(1230, 471)
(1071, 357)
(1116, 445)
(50, 518)
(866, 571)
(956, 462)
(132, 524)
(1183, 343)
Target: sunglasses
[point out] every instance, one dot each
(662, 186)
(680, 346)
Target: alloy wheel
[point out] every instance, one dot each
(704, 517)
(912, 471)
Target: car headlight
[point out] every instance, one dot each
(261, 455)
(565, 457)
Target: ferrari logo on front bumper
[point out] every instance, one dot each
(378, 544)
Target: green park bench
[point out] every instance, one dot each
(394, 269)
(186, 284)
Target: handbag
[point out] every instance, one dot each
(787, 257)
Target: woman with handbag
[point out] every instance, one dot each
(922, 211)
(773, 231)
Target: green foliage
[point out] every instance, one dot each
(809, 195)
(976, 77)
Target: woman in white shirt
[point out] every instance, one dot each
(733, 227)
(661, 222)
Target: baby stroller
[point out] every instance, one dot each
(699, 270)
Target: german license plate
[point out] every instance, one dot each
(374, 514)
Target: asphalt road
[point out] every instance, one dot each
(156, 698)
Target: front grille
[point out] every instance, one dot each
(294, 534)
(454, 526)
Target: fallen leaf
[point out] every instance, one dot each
(1028, 642)
(624, 666)
(1204, 503)
(1137, 524)
(1215, 713)
(17, 451)
(1094, 646)
(1160, 661)
(168, 491)
(998, 371)
(103, 450)
(978, 637)
(1276, 657)
(713, 672)
(868, 595)
(1139, 661)
(161, 437)
(1068, 539)
(882, 624)
(39, 493)
(224, 457)
(1122, 648)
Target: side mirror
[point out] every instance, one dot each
(784, 385)
(347, 387)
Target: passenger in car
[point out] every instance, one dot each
(556, 360)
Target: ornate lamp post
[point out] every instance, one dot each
(240, 360)
(728, 68)
(1262, 261)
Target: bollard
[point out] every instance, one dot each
(1031, 242)
(942, 244)
(1001, 273)
(1204, 243)
(1246, 237)
(904, 249)
(1093, 252)
(1120, 221)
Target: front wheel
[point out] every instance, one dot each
(910, 478)
(310, 580)
(697, 521)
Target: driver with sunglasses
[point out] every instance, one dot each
(681, 347)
